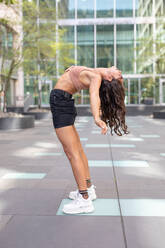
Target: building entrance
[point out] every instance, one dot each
(45, 91)
(162, 91)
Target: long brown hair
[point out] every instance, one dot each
(112, 95)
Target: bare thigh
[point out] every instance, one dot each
(68, 139)
(78, 140)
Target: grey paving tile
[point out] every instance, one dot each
(6, 184)
(98, 154)
(145, 232)
(63, 171)
(4, 219)
(53, 184)
(140, 183)
(62, 231)
(30, 202)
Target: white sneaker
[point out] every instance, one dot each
(79, 205)
(91, 192)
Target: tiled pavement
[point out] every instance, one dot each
(128, 171)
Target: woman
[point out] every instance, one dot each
(106, 98)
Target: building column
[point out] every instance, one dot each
(19, 89)
(19, 85)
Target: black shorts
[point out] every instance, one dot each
(62, 108)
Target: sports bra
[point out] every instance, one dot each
(74, 73)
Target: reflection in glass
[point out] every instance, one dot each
(105, 45)
(31, 86)
(86, 97)
(144, 8)
(104, 8)
(126, 90)
(9, 94)
(69, 39)
(66, 54)
(163, 93)
(6, 41)
(144, 51)
(134, 93)
(49, 3)
(66, 9)
(45, 91)
(147, 90)
(82, 97)
(124, 8)
(85, 8)
(85, 43)
(77, 98)
(125, 48)
(137, 7)
(160, 43)
(156, 90)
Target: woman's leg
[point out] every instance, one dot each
(69, 141)
(84, 158)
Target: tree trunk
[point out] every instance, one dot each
(39, 99)
(4, 103)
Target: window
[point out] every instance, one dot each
(66, 9)
(85, 8)
(104, 8)
(125, 48)
(105, 45)
(124, 8)
(85, 49)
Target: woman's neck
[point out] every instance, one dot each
(101, 71)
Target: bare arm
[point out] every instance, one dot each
(95, 82)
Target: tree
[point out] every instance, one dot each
(150, 53)
(8, 2)
(39, 53)
(10, 51)
(40, 43)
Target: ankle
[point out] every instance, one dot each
(89, 183)
(85, 196)
(84, 193)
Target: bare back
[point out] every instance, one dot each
(65, 81)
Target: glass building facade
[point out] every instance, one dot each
(127, 34)
(6, 46)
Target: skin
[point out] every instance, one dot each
(68, 135)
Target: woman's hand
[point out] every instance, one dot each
(102, 125)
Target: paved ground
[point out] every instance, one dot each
(129, 173)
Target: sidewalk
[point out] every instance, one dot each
(129, 174)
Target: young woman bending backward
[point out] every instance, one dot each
(106, 98)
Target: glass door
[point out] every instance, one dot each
(46, 87)
(134, 91)
(162, 91)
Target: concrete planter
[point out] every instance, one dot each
(37, 115)
(159, 114)
(148, 101)
(16, 122)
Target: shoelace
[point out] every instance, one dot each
(77, 200)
